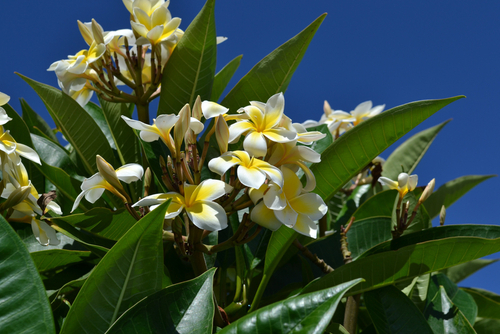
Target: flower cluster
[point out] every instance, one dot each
(23, 203)
(133, 57)
(261, 178)
(339, 121)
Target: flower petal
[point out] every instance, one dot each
(4, 98)
(208, 190)
(265, 217)
(130, 173)
(3, 116)
(280, 135)
(94, 194)
(388, 182)
(221, 164)
(208, 216)
(275, 198)
(212, 109)
(306, 226)
(251, 177)
(287, 216)
(239, 128)
(274, 110)
(28, 153)
(309, 204)
(77, 200)
(255, 144)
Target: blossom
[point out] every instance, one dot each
(43, 233)
(299, 211)
(252, 172)
(262, 124)
(4, 99)
(94, 186)
(197, 202)
(404, 184)
(364, 111)
(152, 21)
(13, 150)
(162, 126)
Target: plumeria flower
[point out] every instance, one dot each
(14, 150)
(212, 109)
(43, 233)
(404, 184)
(94, 186)
(152, 21)
(197, 202)
(251, 171)
(78, 63)
(4, 99)
(300, 209)
(161, 128)
(364, 111)
(261, 126)
(295, 157)
(304, 136)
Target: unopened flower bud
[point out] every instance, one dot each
(97, 31)
(197, 113)
(427, 191)
(86, 33)
(16, 197)
(222, 134)
(442, 215)
(181, 127)
(147, 181)
(108, 173)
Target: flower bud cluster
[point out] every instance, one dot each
(133, 57)
(262, 177)
(21, 196)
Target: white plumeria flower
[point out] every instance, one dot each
(300, 209)
(14, 150)
(364, 111)
(161, 128)
(4, 99)
(43, 233)
(152, 21)
(94, 186)
(251, 171)
(212, 109)
(261, 126)
(304, 136)
(289, 154)
(404, 184)
(197, 202)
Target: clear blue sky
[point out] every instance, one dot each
(385, 51)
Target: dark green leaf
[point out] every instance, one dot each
(367, 233)
(460, 298)
(36, 123)
(458, 273)
(321, 145)
(186, 307)
(77, 126)
(101, 221)
(444, 317)
(420, 255)
(223, 77)
(451, 191)
(273, 73)
(410, 152)
(487, 326)
(57, 258)
(190, 69)
(130, 271)
(393, 312)
(97, 115)
(488, 303)
(24, 307)
(355, 149)
(310, 313)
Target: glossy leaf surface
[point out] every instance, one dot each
(222, 78)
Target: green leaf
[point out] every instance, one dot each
(101, 221)
(487, 326)
(420, 253)
(451, 191)
(76, 124)
(36, 123)
(393, 312)
(355, 149)
(190, 69)
(95, 112)
(321, 145)
(124, 138)
(186, 307)
(53, 259)
(130, 271)
(410, 152)
(24, 307)
(460, 298)
(273, 73)
(310, 313)
(54, 155)
(367, 233)
(444, 317)
(278, 245)
(420, 290)
(458, 273)
(488, 303)
(223, 77)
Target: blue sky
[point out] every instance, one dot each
(385, 51)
